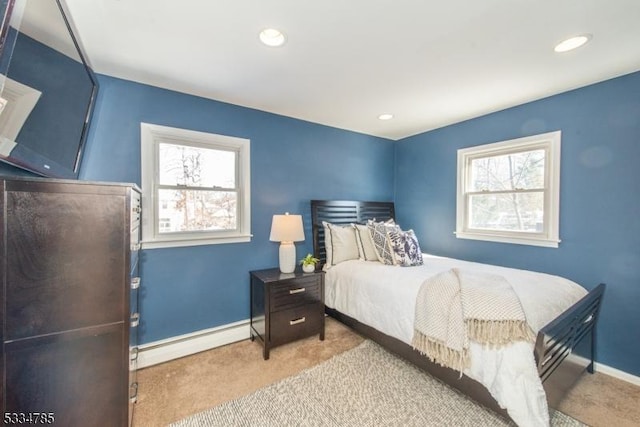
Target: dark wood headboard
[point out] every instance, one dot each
(344, 212)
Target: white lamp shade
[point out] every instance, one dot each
(287, 228)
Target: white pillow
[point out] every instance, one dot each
(365, 245)
(340, 244)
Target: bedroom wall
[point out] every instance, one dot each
(600, 199)
(292, 161)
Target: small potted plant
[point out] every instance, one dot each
(309, 263)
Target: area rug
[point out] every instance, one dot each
(365, 386)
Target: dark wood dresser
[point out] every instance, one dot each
(286, 306)
(69, 300)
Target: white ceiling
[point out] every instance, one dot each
(430, 63)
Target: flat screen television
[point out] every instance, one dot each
(48, 89)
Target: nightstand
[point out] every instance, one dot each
(286, 306)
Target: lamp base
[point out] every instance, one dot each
(287, 257)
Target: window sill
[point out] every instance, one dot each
(518, 240)
(177, 243)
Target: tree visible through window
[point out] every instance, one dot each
(195, 187)
(509, 191)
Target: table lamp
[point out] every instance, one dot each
(287, 229)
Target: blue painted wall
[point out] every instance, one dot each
(292, 161)
(188, 289)
(600, 198)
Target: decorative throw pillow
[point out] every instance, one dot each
(340, 243)
(405, 248)
(365, 245)
(378, 231)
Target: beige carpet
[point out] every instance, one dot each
(365, 386)
(172, 391)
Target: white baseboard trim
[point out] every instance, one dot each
(608, 370)
(184, 345)
(617, 373)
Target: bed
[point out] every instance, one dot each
(357, 295)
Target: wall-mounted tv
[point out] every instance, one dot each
(48, 89)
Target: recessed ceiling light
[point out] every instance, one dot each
(272, 37)
(385, 116)
(572, 43)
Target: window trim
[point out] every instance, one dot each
(151, 136)
(551, 143)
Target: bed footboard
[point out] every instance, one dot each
(565, 348)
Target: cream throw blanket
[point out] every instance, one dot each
(456, 306)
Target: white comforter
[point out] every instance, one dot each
(384, 297)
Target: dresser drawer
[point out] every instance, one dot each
(293, 293)
(295, 323)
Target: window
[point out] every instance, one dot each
(510, 191)
(195, 188)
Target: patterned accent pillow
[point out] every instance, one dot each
(378, 231)
(365, 244)
(405, 248)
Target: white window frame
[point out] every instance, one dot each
(550, 235)
(150, 138)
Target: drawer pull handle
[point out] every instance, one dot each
(296, 321)
(135, 320)
(133, 392)
(296, 291)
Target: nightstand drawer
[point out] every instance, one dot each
(296, 323)
(293, 293)
(285, 306)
